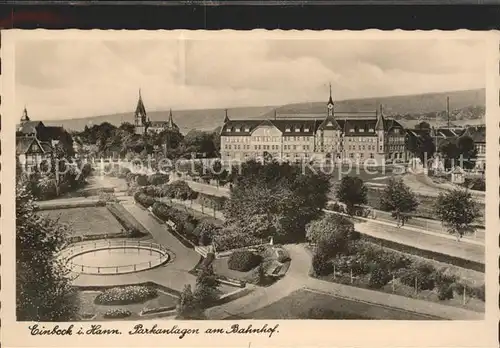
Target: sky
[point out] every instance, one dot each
(63, 79)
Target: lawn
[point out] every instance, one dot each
(305, 304)
(86, 221)
(89, 309)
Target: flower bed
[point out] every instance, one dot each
(117, 313)
(126, 295)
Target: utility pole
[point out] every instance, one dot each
(448, 110)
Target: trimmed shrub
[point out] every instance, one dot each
(143, 199)
(243, 260)
(378, 278)
(117, 313)
(126, 295)
(107, 197)
(141, 180)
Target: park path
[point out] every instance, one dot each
(298, 277)
(437, 241)
(173, 275)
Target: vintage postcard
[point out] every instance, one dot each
(265, 188)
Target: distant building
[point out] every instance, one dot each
(36, 142)
(354, 137)
(143, 124)
(478, 135)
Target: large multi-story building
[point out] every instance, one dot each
(354, 137)
(143, 124)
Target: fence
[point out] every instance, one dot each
(87, 247)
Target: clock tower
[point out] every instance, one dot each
(330, 103)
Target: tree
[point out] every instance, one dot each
(398, 199)
(282, 198)
(43, 290)
(330, 234)
(467, 151)
(351, 191)
(423, 125)
(457, 210)
(186, 306)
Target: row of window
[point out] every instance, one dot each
(276, 139)
(362, 147)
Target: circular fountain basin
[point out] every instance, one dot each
(107, 257)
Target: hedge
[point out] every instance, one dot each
(129, 223)
(184, 222)
(143, 199)
(243, 260)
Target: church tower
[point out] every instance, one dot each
(170, 124)
(380, 130)
(140, 116)
(25, 118)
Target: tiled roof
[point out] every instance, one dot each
(23, 144)
(29, 127)
(293, 127)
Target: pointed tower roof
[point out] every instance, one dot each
(329, 123)
(171, 123)
(140, 109)
(226, 118)
(330, 100)
(25, 117)
(380, 119)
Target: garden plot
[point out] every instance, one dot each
(86, 221)
(128, 302)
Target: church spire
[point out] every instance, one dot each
(25, 117)
(330, 101)
(226, 118)
(380, 119)
(140, 112)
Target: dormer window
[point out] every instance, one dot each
(237, 130)
(371, 130)
(351, 130)
(247, 129)
(287, 129)
(297, 129)
(306, 129)
(361, 130)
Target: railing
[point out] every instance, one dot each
(87, 247)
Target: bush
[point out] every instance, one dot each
(378, 278)
(126, 295)
(479, 292)
(243, 260)
(445, 291)
(205, 232)
(107, 197)
(423, 273)
(182, 191)
(477, 184)
(141, 180)
(46, 188)
(157, 179)
(143, 199)
(321, 265)
(230, 237)
(117, 313)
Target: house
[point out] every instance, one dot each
(143, 124)
(478, 136)
(31, 152)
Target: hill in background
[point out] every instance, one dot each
(466, 107)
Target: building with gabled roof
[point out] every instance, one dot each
(143, 124)
(353, 136)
